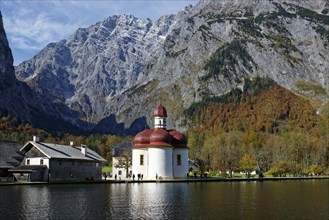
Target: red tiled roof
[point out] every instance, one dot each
(160, 138)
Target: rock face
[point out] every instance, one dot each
(15, 95)
(96, 63)
(28, 106)
(114, 72)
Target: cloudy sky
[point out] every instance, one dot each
(32, 24)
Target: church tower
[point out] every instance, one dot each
(160, 117)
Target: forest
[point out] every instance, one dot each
(264, 127)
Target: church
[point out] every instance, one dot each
(160, 153)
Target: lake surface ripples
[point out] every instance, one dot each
(307, 199)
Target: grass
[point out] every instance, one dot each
(106, 169)
(311, 87)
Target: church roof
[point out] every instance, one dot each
(160, 111)
(160, 138)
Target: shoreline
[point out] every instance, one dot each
(190, 180)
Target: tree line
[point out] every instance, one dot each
(264, 128)
(12, 129)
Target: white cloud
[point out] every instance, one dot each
(31, 25)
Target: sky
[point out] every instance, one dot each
(31, 24)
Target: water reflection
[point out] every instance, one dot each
(229, 200)
(33, 200)
(150, 201)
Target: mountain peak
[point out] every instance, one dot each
(115, 71)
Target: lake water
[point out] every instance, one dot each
(308, 199)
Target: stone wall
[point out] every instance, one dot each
(72, 170)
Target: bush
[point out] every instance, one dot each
(280, 169)
(315, 169)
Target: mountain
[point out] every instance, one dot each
(95, 64)
(26, 105)
(114, 72)
(15, 95)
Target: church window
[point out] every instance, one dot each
(41, 161)
(179, 160)
(28, 162)
(141, 160)
(120, 172)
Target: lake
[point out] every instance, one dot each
(304, 199)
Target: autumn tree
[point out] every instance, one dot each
(247, 164)
(279, 169)
(295, 168)
(196, 144)
(315, 169)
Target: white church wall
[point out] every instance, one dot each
(180, 170)
(160, 162)
(136, 162)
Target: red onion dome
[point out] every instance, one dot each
(142, 139)
(160, 111)
(178, 139)
(160, 137)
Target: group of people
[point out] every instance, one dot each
(139, 176)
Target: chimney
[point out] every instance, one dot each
(36, 139)
(84, 149)
(71, 143)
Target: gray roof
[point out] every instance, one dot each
(59, 151)
(10, 156)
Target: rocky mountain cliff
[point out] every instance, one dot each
(114, 72)
(28, 106)
(14, 98)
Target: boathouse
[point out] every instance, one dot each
(55, 162)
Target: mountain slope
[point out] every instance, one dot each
(261, 106)
(115, 71)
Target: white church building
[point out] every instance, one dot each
(160, 153)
